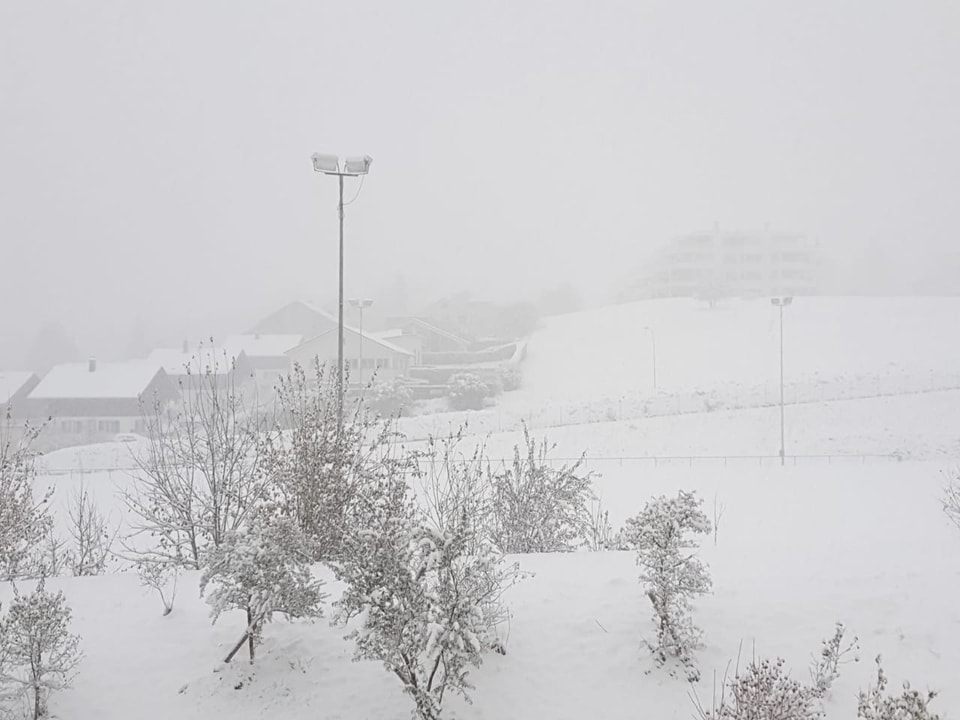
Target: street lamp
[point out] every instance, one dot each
(361, 304)
(781, 303)
(653, 341)
(352, 167)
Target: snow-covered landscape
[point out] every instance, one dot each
(852, 530)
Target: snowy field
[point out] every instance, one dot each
(797, 549)
(850, 530)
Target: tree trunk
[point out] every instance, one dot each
(250, 633)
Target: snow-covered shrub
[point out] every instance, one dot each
(467, 391)
(910, 705)
(91, 534)
(321, 469)
(664, 538)
(763, 692)
(39, 653)
(200, 475)
(537, 508)
(419, 595)
(834, 652)
(262, 569)
(24, 520)
(388, 398)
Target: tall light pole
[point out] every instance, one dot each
(653, 341)
(352, 167)
(361, 304)
(781, 303)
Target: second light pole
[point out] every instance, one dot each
(781, 303)
(352, 167)
(361, 304)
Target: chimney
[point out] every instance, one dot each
(92, 365)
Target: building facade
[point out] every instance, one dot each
(730, 264)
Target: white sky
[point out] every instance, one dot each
(154, 156)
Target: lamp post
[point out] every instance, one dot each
(653, 341)
(361, 304)
(781, 303)
(352, 167)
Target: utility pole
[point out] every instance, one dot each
(361, 304)
(781, 303)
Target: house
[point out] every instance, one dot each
(266, 355)
(297, 318)
(411, 342)
(94, 401)
(185, 368)
(364, 354)
(14, 389)
(432, 338)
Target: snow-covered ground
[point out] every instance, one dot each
(861, 540)
(797, 549)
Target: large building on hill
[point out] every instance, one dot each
(729, 264)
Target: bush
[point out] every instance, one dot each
(262, 569)
(24, 520)
(539, 509)
(389, 397)
(764, 692)
(37, 652)
(910, 705)
(420, 594)
(467, 392)
(672, 573)
(510, 377)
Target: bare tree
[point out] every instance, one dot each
(201, 474)
(91, 534)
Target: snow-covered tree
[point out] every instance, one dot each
(538, 508)
(262, 569)
(421, 597)
(24, 519)
(763, 692)
(664, 538)
(201, 473)
(321, 469)
(39, 653)
(909, 705)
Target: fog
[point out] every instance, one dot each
(155, 175)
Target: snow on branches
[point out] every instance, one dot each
(666, 553)
(262, 569)
(24, 520)
(38, 655)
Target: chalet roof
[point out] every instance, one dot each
(121, 380)
(12, 382)
(257, 346)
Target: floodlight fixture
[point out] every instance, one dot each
(357, 165)
(329, 164)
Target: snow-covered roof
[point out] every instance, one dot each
(261, 345)
(387, 334)
(367, 337)
(108, 380)
(12, 382)
(216, 360)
